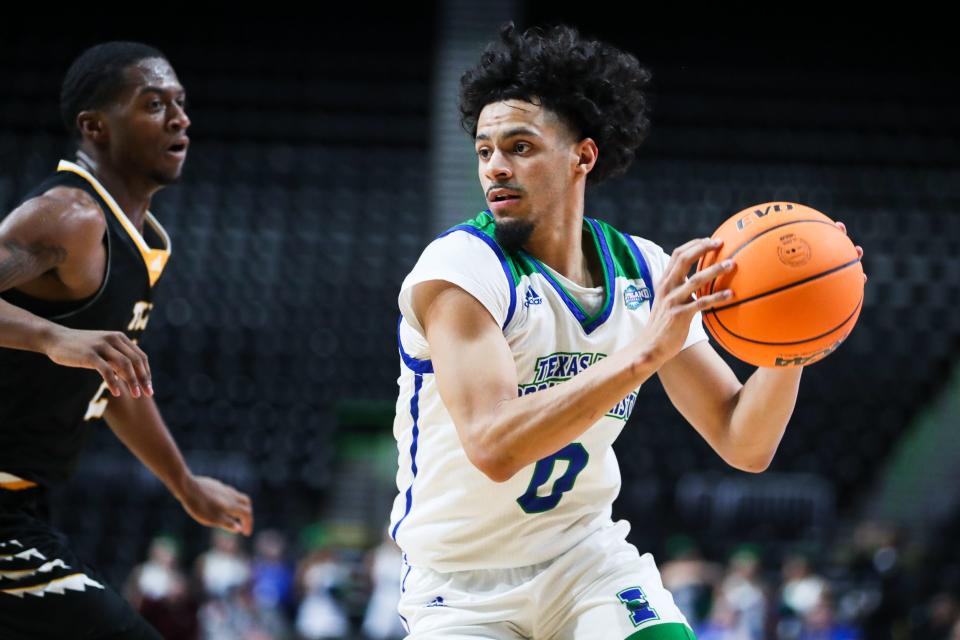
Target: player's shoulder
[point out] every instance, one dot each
(467, 256)
(615, 235)
(75, 207)
(60, 211)
(648, 247)
(471, 240)
(481, 227)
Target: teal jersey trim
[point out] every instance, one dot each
(667, 631)
(618, 254)
(624, 259)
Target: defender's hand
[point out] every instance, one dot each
(215, 504)
(121, 363)
(675, 306)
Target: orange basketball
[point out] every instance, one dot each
(797, 287)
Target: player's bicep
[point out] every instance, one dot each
(471, 359)
(704, 390)
(25, 253)
(43, 232)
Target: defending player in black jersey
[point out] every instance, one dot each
(78, 262)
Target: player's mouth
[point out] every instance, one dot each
(179, 147)
(501, 198)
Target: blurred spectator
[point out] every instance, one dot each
(272, 574)
(382, 620)
(320, 577)
(154, 578)
(238, 616)
(691, 579)
(224, 566)
(940, 616)
(819, 623)
(878, 565)
(158, 589)
(802, 588)
(723, 625)
(740, 608)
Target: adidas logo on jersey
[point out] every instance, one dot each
(436, 602)
(532, 298)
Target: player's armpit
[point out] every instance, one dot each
(20, 263)
(474, 367)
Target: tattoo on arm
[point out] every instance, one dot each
(17, 260)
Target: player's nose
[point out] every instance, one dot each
(179, 121)
(497, 166)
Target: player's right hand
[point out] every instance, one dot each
(121, 363)
(215, 504)
(674, 305)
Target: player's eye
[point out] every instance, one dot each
(483, 152)
(521, 147)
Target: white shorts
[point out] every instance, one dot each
(600, 589)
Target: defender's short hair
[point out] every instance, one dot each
(96, 78)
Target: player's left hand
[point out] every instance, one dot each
(215, 504)
(859, 249)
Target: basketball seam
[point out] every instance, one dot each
(786, 344)
(713, 283)
(715, 332)
(786, 286)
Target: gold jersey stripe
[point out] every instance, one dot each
(73, 582)
(11, 482)
(154, 259)
(28, 573)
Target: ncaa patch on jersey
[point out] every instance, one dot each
(634, 298)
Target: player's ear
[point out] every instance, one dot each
(587, 153)
(92, 126)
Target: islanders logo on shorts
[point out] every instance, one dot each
(634, 298)
(638, 606)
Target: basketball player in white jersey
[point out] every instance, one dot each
(524, 337)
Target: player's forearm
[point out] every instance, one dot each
(760, 416)
(139, 426)
(525, 429)
(20, 329)
(21, 262)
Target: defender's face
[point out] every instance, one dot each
(148, 123)
(526, 156)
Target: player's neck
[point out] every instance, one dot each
(132, 193)
(567, 248)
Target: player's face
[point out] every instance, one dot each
(148, 124)
(526, 156)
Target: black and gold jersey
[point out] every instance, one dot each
(44, 407)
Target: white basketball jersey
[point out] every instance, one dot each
(448, 515)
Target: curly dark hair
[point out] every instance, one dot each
(96, 78)
(597, 89)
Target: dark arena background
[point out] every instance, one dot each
(326, 154)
